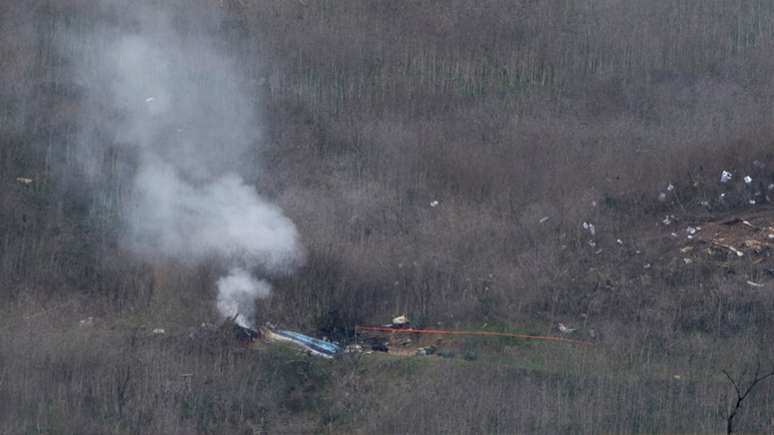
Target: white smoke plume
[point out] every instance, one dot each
(187, 126)
(237, 293)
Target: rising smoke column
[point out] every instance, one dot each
(177, 108)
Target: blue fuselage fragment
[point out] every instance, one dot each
(313, 344)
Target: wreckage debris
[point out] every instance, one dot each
(313, 346)
(731, 248)
(565, 330)
(245, 335)
(24, 180)
(427, 350)
(754, 284)
(87, 322)
(751, 235)
(353, 348)
(725, 176)
(400, 322)
(747, 179)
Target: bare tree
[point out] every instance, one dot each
(743, 391)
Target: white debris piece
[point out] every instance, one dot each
(691, 230)
(732, 249)
(754, 284)
(673, 234)
(747, 179)
(24, 180)
(725, 176)
(771, 186)
(544, 219)
(619, 241)
(751, 202)
(590, 228)
(646, 266)
(758, 164)
(87, 322)
(400, 320)
(722, 195)
(158, 331)
(565, 330)
(662, 196)
(704, 203)
(593, 203)
(149, 99)
(670, 187)
(433, 203)
(687, 260)
(667, 220)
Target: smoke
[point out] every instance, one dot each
(186, 126)
(222, 217)
(237, 293)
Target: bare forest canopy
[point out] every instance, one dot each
(436, 158)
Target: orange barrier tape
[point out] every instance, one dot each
(472, 333)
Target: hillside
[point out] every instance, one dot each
(319, 165)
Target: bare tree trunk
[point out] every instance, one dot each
(742, 393)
